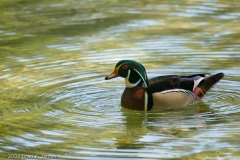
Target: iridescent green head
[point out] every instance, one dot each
(133, 72)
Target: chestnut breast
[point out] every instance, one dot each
(133, 98)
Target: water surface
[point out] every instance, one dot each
(54, 56)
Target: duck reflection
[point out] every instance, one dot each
(144, 127)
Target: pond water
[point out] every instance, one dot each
(55, 54)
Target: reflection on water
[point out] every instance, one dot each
(54, 57)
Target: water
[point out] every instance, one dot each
(55, 102)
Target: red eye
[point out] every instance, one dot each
(124, 66)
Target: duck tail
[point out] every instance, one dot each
(203, 87)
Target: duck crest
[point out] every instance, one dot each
(133, 98)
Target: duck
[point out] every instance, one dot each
(162, 92)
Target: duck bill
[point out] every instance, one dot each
(113, 75)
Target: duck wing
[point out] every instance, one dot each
(156, 79)
(194, 86)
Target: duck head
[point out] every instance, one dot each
(133, 72)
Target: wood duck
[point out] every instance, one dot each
(162, 92)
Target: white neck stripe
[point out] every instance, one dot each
(146, 101)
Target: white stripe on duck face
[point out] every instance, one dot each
(145, 84)
(128, 84)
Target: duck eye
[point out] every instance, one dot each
(124, 66)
